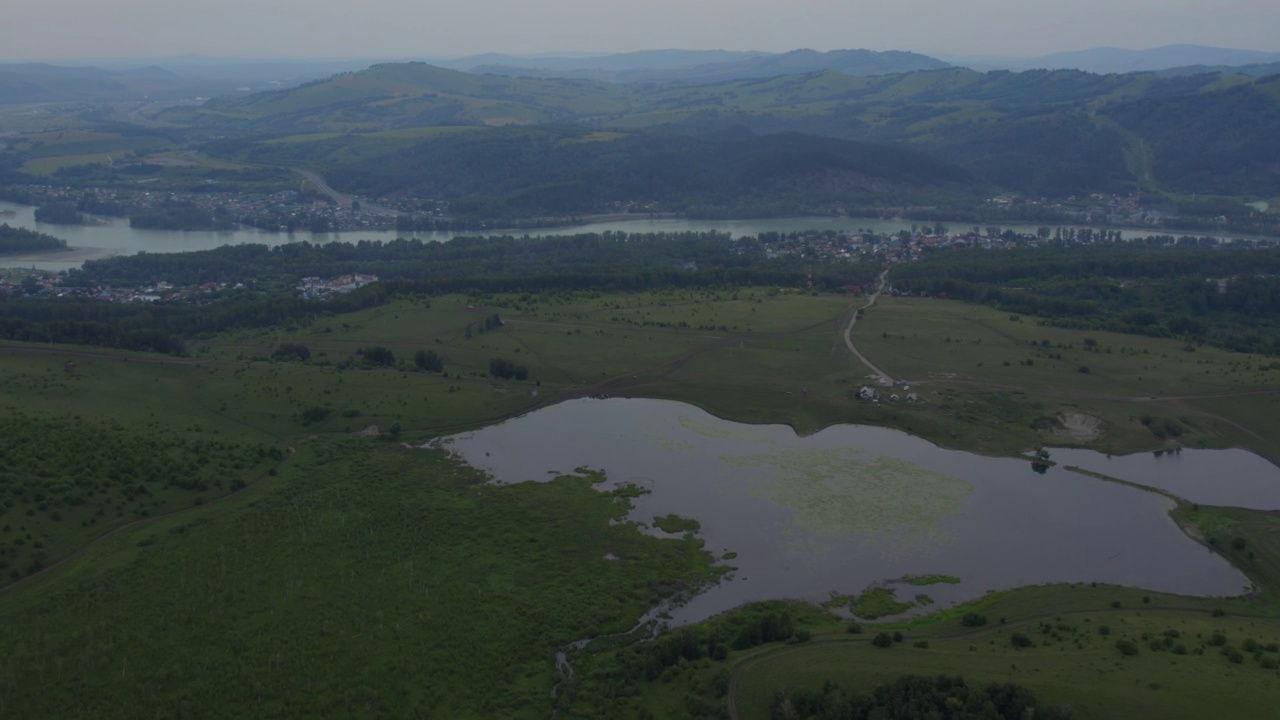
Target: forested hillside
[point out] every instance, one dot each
(1040, 132)
(566, 170)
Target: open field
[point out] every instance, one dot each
(1177, 671)
(761, 355)
(46, 166)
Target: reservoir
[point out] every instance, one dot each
(853, 507)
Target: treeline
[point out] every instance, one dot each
(163, 327)
(912, 696)
(1226, 297)
(476, 265)
(607, 261)
(183, 216)
(14, 240)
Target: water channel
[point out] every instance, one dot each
(113, 236)
(851, 506)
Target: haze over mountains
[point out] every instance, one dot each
(184, 78)
(1121, 60)
(704, 67)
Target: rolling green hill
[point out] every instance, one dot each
(1042, 132)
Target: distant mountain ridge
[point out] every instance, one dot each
(40, 82)
(615, 62)
(710, 66)
(1122, 60)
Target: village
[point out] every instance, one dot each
(24, 283)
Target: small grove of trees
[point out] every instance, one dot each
(59, 214)
(428, 361)
(507, 369)
(378, 356)
(291, 351)
(493, 322)
(20, 240)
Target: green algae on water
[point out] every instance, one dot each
(834, 494)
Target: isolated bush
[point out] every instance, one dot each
(973, 619)
(1020, 640)
(882, 640)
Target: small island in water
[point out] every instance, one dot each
(16, 240)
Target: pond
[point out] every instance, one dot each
(852, 506)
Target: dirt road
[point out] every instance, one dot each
(340, 199)
(848, 331)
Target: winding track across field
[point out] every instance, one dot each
(848, 331)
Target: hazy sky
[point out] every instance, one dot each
(68, 29)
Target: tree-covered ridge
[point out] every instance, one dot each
(1224, 143)
(15, 240)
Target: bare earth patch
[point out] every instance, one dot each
(370, 431)
(1081, 427)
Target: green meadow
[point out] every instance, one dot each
(280, 549)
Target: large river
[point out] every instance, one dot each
(853, 506)
(113, 236)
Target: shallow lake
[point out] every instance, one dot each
(1235, 478)
(853, 506)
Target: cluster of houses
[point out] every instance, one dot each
(284, 210)
(314, 288)
(870, 394)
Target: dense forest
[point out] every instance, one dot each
(491, 264)
(14, 240)
(1229, 297)
(59, 214)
